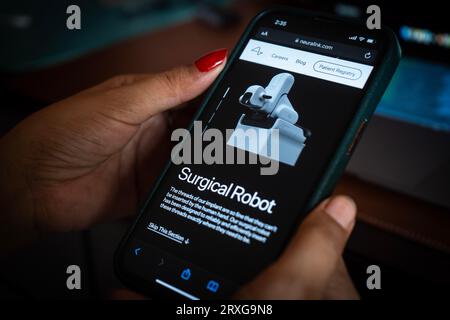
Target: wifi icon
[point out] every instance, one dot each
(361, 38)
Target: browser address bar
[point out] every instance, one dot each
(315, 65)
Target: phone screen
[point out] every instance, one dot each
(209, 228)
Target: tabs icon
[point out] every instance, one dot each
(212, 286)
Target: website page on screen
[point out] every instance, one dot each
(208, 217)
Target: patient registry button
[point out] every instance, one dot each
(337, 70)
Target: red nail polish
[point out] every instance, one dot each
(211, 60)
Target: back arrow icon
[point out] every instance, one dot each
(137, 251)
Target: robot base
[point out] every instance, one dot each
(257, 140)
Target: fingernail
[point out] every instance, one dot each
(343, 210)
(211, 60)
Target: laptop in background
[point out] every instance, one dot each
(406, 146)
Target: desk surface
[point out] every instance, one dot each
(395, 213)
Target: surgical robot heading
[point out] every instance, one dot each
(270, 109)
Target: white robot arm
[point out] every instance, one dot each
(273, 102)
(273, 99)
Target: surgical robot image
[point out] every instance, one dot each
(270, 109)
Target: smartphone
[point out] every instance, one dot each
(208, 228)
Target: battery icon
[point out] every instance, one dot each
(370, 41)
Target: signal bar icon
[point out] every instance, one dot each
(352, 38)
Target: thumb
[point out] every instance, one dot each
(135, 98)
(310, 260)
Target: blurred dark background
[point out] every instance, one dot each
(404, 232)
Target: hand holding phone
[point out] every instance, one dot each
(209, 228)
(311, 266)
